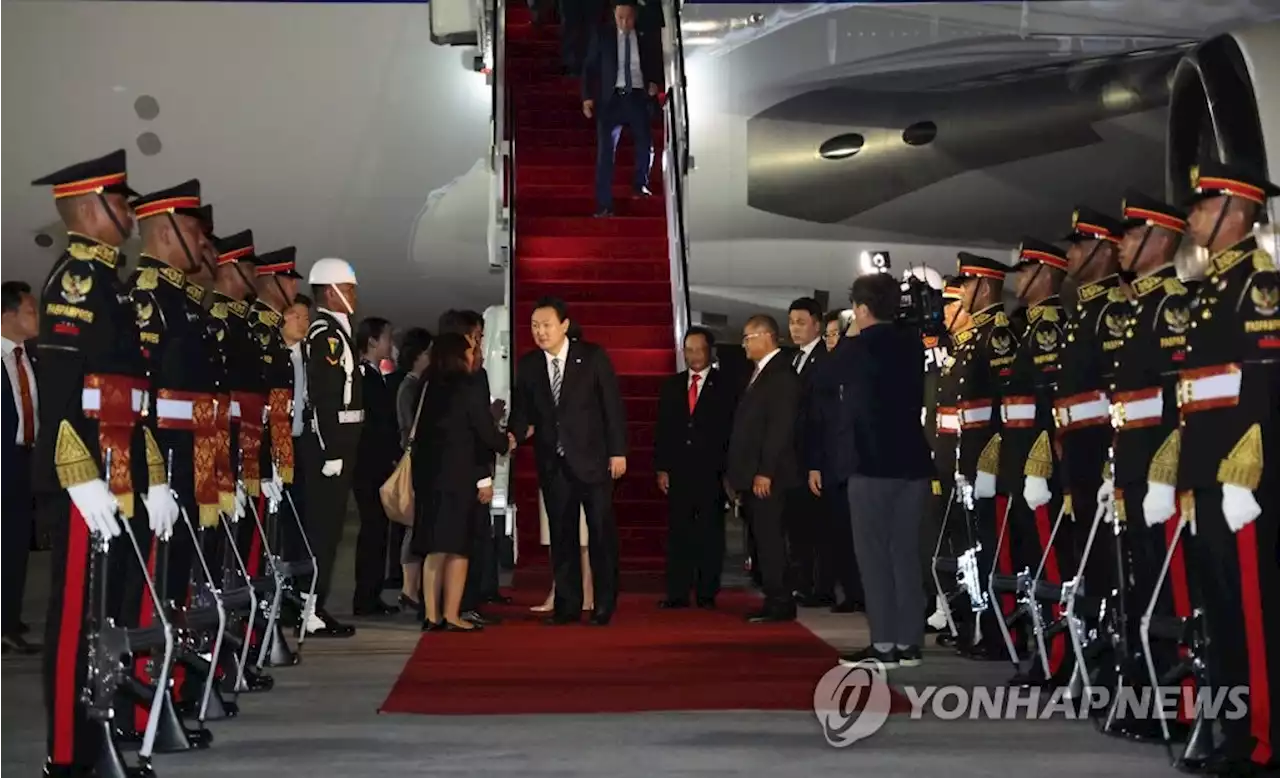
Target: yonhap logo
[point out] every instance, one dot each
(852, 703)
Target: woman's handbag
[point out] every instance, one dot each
(397, 491)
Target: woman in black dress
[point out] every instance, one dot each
(456, 439)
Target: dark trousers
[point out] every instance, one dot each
(16, 531)
(632, 110)
(695, 537)
(176, 559)
(807, 554)
(326, 509)
(371, 542)
(766, 517)
(482, 572)
(575, 24)
(567, 498)
(839, 539)
(886, 528)
(72, 738)
(1239, 575)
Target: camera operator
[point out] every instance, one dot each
(879, 376)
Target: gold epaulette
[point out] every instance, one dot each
(1040, 460)
(71, 458)
(1262, 261)
(97, 251)
(1164, 465)
(155, 460)
(1243, 466)
(989, 459)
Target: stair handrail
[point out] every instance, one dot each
(676, 160)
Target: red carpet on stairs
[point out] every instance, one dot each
(613, 273)
(646, 660)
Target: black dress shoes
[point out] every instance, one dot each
(707, 603)
(375, 608)
(481, 619)
(498, 599)
(769, 616)
(432, 626)
(600, 618)
(848, 606)
(17, 644)
(561, 619)
(672, 604)
(455, 628)
(332, 627)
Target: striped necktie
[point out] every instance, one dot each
(557, 379)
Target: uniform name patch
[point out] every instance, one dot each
(69, 312)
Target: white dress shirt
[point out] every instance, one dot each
(637, 75)
(11, 367)
(299, 386)
(761, 364)
(805, 351)
(702, 379)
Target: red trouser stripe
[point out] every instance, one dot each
(1044, 529)
(1005, 561)
(1251, 602)
(1181, 609)
(145, 617)
(65, 691)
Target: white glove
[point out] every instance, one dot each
(1035, 490)
(1106, 497)
(332, 467)
(97, 507)
(162, 510)
(985, 485)
(1160, 503)
(1239, 506)
(272, 489)
(242, 500)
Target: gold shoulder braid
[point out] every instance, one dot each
(1164, 465)
(989, 459)
(1040, 460)
(98, 251)
(155, 461)
(1243, 466)
(71, 458)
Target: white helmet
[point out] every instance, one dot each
(326, 272)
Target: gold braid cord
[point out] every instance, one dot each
(72, 460)
(1040, 460)
(989, 459)
(1243, 466)
(155, 460)
(1164, 465)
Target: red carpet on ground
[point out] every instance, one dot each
(647, 660)
(613, 273)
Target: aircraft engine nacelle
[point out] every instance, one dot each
(1225, 99)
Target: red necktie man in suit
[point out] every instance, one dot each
(18, 323)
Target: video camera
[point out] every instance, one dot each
(921, 307)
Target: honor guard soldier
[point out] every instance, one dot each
(1227, 396)
(229, 310)
(978, 353)
(950, 519)
(336, 413)
(1082, 414)
(92, 388)
(276, 279)
(1144, 413)
(1026, 423)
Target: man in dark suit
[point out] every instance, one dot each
(809, 548)
(19, 322)
(619, 83)
(695, 413)
(881, 372)
(566, 396)
(762, 460)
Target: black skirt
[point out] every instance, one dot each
(445, 522)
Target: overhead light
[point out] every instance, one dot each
(842, 146)
(920, 133)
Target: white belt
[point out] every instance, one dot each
(1140, 410)
(350, 417)
(975, 415)
(174, 409)
(91, 399)
(235, 409)
(948, 422)
(1223, 386)
(1018, 412)
(1094, 409)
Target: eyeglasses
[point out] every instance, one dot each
(750, 335)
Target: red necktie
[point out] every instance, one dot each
(28, 407)
(693, 393)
